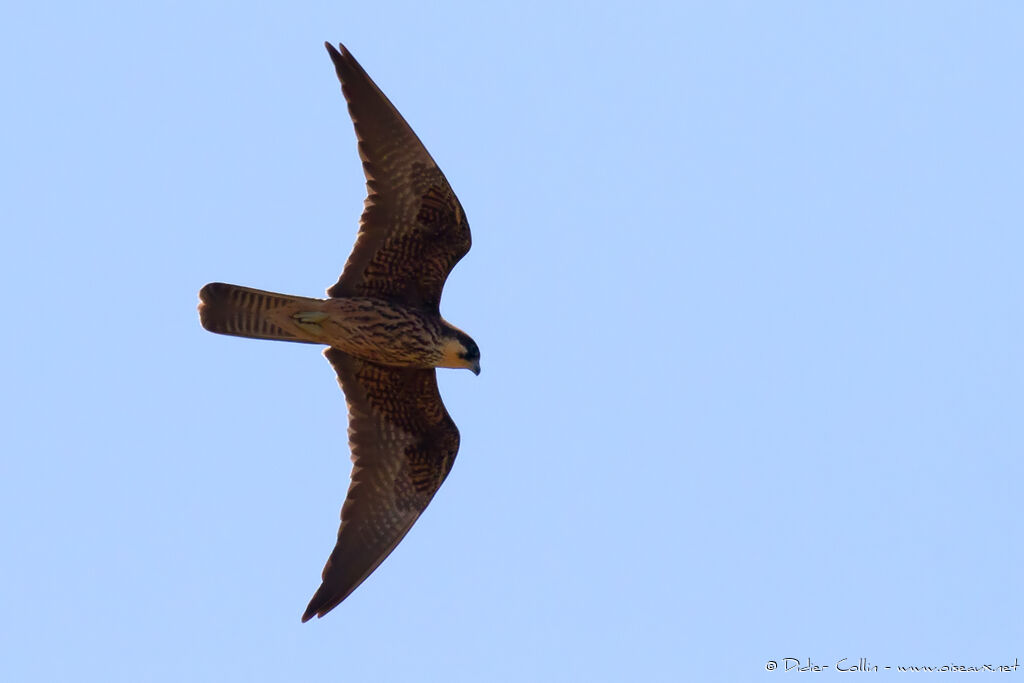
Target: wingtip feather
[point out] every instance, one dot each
(337, 53)
(322, 603)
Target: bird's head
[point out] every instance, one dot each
(460, 351)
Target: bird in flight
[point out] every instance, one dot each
(385, 335)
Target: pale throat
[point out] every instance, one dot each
(452, 352)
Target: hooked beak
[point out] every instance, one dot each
(476, 368)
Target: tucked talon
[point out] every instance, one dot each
(310, 317)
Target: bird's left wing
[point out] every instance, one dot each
(403, 446)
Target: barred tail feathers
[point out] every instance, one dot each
(247, 312)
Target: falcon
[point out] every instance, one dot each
(385, 335)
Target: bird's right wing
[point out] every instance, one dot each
(403, 446)
(413, 229)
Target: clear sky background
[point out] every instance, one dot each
(747, 280)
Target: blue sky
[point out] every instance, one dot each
(747, 282)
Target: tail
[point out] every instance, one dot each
(247, 312)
